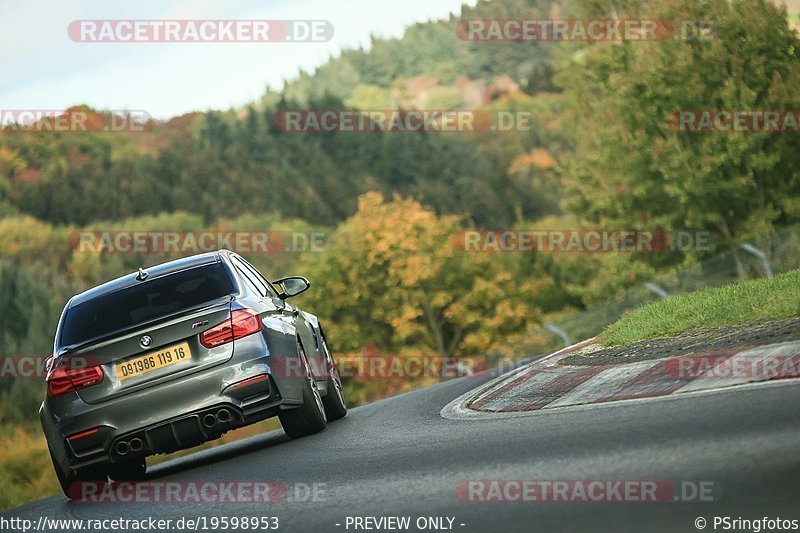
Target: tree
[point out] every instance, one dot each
(393, 277)
(26, 330)
(631, 169)
(27, 326)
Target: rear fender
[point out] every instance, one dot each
(313, 346)
(281, 338)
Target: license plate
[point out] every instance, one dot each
(153, 361)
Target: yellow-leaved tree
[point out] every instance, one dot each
(393, 277)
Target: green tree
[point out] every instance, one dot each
(26, 330)
(630, 168)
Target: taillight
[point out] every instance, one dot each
(241, 324)
(65, 379)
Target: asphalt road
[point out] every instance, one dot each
(399, 457)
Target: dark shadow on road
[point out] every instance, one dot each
(217, 454)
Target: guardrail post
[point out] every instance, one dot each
(560, 332)
(747, 247)
(655, 289)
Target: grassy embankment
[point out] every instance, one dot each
(739, 303)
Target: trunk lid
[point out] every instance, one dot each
(161, 361)
(147, 333)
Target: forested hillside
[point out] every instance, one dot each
(218, 162)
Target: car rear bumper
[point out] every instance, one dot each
(192, 429)
(168, 417)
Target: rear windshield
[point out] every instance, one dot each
(149, 300)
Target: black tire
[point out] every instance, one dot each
(310, 418)
(335, 401)
(71, 480)
(130, 470)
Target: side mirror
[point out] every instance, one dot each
(292, 286)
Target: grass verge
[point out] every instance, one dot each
(751, 301)
(25, 470)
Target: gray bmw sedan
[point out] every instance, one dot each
(175, 355)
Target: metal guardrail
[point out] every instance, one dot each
(764, 258)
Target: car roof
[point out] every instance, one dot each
(156, 271)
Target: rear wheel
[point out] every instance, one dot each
(335, 402)
(71, 481)
(310, 418)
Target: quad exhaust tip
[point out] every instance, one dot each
(209, 420)
(223, 416)
(122, 448)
